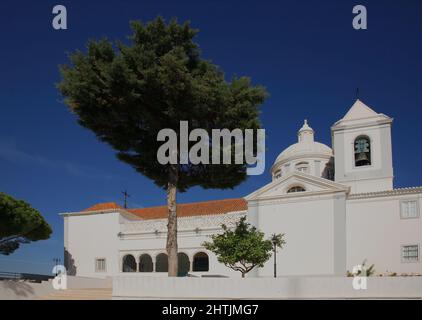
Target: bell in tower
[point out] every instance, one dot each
(362, 152)
(362, 148)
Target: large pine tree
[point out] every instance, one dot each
(127, 92)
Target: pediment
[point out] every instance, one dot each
(359, 110)
(360, 114)
(312, 185)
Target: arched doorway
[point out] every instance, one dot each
(145, 263)
(129, 263)
(201, 262)
(161, 263)
(183, 264)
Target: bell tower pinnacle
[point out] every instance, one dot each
(362, 149)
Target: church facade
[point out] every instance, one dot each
(337, 207)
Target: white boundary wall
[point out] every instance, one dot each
(135, 287)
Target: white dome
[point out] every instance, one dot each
(306, 148)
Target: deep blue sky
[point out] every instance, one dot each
(305, 52)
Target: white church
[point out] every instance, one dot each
(337, 207)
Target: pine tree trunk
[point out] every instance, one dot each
(172, 222)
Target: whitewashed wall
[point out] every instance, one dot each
(135, 287)
(376, 177)
(112, 236)
(325, 236)
(140, 237)
(376, 232)
(314, 230)
(92, 236)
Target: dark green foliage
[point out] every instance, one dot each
(127, 93)
(243, 248)
(19, 223)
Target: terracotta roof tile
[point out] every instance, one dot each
(193, 209)
(183, 210)
(103, 206)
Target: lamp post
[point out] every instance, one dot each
(274, 240)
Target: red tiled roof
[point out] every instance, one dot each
(183, 210)
(103, 206)
(193, 209)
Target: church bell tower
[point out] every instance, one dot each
(362, 150)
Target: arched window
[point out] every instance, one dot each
(201, 262)
(362, 151)
(145, 263)
(161, 263)
(302, 167)
(296, 189)
(183, 264)
(277, 174)
(129, 263)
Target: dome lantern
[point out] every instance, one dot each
(306, 133)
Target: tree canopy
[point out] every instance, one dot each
(126, 92)
(244, 247)
(19, 223)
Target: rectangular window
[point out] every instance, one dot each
(100, 265)
(409, 209)
(410, 253)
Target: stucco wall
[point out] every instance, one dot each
(309, 225)
(90, 237)
(376, 232)
(376, 177)
(135, 287)
(325, 235)
(188, 242)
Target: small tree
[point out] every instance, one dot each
(243, 248)
(19, 223)
(126, 93)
